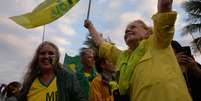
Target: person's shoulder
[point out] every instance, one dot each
(97, 81)
(63, 73)
(97, 78)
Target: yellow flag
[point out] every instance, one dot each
(45, 13)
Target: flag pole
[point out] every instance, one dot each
(89, 8)
(43, 33)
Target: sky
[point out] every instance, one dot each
(17, 44)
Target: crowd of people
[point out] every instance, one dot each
(153, 68)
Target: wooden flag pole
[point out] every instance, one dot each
(89, 8)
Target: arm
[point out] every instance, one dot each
(197, 71)
(164, 22)
(96, 37)
(189, 64)
(106, 49)
(194, 67)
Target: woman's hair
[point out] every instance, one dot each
(143, 25)
(34, 70)
(98, 62)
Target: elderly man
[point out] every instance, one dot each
(148, 70)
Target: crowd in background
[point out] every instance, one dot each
(100, 83)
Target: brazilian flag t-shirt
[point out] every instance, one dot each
(41, 92)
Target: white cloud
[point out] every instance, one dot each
(185, 40)
(116, 4)
(60, 41)
(179, 1)
(6, 21)
(19, 43)
(11, 7)
(144, 6)
(128, 17)
(16, 53)
(66, 29)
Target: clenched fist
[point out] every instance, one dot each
(88, 24)
(164, 5)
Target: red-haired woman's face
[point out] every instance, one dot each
(46, 56)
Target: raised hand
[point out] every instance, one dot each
(88, 24)
(164, 5)
(94, 33)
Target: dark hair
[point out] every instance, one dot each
(13, 88)
(34, 70)
(98, 62)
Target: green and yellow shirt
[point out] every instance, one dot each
(41, 92)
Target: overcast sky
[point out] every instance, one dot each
(17, 44)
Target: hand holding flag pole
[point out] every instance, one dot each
(89, 8)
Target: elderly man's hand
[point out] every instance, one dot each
(164, 5)
(88, 24)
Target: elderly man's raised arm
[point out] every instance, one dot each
(106, 49)
(164, 21)
(96, 37)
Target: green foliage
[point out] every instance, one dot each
(196, 44)
(90, 43)
(193, 9)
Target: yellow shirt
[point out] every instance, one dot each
(99, 91)
(157, 76)
(41, 92)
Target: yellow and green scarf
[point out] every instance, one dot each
(126, 64)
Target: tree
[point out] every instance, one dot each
(90, 43)
(193, 9)
(197, 45)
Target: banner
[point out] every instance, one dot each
(45, 13)
(71, 63)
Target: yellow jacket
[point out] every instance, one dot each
(157, 76)
(99, 91)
